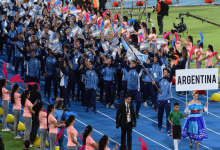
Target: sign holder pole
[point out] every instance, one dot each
(207, 100)
(186, 96)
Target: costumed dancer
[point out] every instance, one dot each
(194, 127)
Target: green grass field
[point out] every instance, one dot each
(211, 33)
(10, 142)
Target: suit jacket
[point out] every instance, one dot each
(121, 116)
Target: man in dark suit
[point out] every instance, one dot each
(125, 118)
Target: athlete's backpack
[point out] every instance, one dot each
(164, 9)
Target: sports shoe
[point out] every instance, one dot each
(178, 93)
(17, 137)
(6, 129)
(169, 133)
(159, 130)
(112, 106)
(155, 109)
(7, 65)
(137, 115)
(145, 104)
(13, 68)
(152, 106)
(107, 105)
(95, 111)
(185, 94)
(31, 145)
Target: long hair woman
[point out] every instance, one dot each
(16, 101)
(27, 114)
(53, 125)
(208, 59)
(42, 117)
(72, 134)
(4, 93)
(103, 143)
(88, 140)
(64, 82)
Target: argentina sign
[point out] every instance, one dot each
(197, 79)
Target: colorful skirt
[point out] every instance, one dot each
(194, 128)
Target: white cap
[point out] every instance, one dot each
(35, 0)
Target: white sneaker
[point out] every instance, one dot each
(145, 104)
(112, 106)
(13, 68)
(31, 145)
(7, 65)
(6, 129)
(17, 137)
(107, 105)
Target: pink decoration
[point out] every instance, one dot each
(214, 53)
(16, 78)
(143, 144)
(103, 14)
(65, 9)
(166, 34)
(176, 36)
(59, 135)
(32, 83)
(48, 3)
(115, 16)
(191, 51)
(4, 70)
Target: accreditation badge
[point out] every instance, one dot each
(128, 116)
(155, 75)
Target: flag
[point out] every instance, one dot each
(75, 30)
(57, 3)
(26, 22)
(130, 29)
(105, 45)
(57, 11)
(95, 33)
(143, 144)
(160, 42)
(59, 135)
(143, 46)
(4, 70)
(130, 54)
(114, 42)
(16, 78)
(74, 12)
(22, 13)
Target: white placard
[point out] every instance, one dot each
(197, 79)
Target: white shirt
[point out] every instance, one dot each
(62, 79)
(129, 112)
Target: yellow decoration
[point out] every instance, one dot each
(21, 127)
(1, 111)
(37, 142)
(10, 118)
(57, 148)
(215, 97)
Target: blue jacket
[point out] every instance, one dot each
(164, 86)
(74, 61)
(20, 27)
(50, 68)
(33, 64)
(109, 73)
(12, 34)
(146, 78)
(91, 77)
(164, 61)
(125, 75)
(133, 82)
(156, 73)
(65, 75)
(21, 46)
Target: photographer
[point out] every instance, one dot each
(159, 17)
